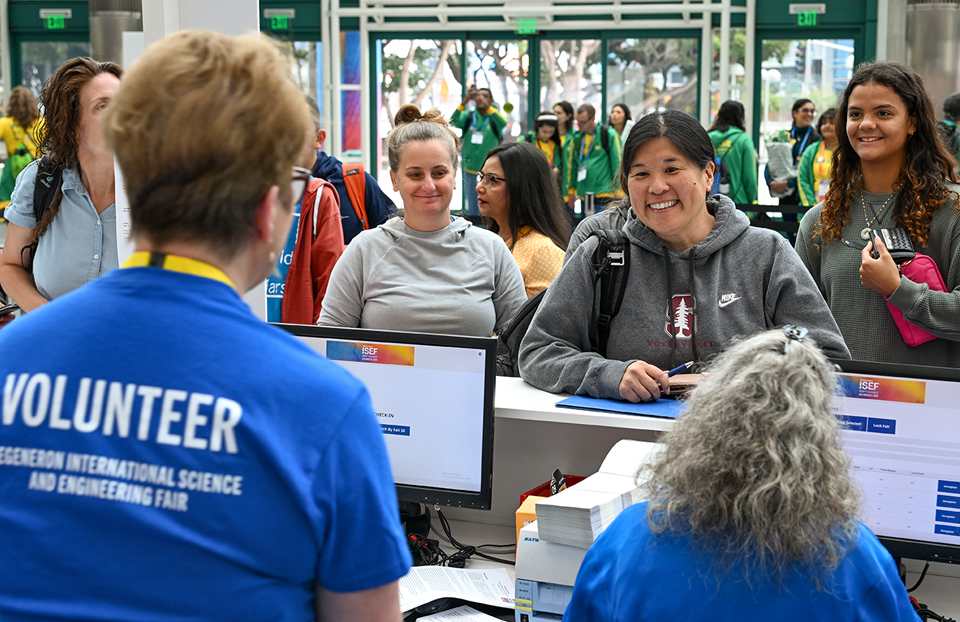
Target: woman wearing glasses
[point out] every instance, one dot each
(802, 135)
(425, 271)
(515, 189)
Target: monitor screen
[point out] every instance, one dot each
(900, 424)
(433, 396)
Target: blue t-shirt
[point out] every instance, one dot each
(164, 454)
(631, 574)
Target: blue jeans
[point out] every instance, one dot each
(470, 194)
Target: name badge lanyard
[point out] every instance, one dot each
(477, 137)
(803, 143)
(582, 172)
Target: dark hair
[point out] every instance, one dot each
(548, 118)
(626, 111)
(679, 128)
(927, 164)
(829, 113)
(797, 105)
(951, 107)
(567, 108)
(61, 115)
(532, 193)
(730, 114)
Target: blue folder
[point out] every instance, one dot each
(665, 408)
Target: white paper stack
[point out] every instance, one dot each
(579, 514)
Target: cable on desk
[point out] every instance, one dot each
(464, 552)
(920, 580)
(926, 614)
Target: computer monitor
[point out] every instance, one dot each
(901, 428)
(434, 397)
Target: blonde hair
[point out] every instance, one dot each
(753, 470)
(410, 126)
(202, 126)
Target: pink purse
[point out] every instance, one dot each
(920, 269)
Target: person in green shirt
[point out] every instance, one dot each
(732, 145)
(593, 161)
(482, 129)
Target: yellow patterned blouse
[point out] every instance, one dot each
(539, 259)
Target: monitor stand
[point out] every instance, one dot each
(415, 518)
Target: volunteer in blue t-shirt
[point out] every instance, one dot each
(164, 454)
(752, 510)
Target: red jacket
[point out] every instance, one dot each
(319, 246)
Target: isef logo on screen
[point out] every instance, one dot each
(369, 353)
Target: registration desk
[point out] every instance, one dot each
(533, 437)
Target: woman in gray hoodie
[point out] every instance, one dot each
(700, 276)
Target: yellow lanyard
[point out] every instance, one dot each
(176, 263)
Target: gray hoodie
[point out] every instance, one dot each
(679, 306)
(460, 280)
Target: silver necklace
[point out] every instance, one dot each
(865, 233)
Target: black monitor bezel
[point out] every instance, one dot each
(480, 500)
(900, 547)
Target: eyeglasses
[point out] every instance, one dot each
(299, 184)
(489, 180)
(808, 110)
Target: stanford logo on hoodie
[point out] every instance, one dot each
(683, 317)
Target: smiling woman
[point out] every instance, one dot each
(424, 272)
(890, 170)
(699, 278)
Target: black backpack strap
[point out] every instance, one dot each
(45, 189)
(605, 137)
(611, 260)
(49, 178)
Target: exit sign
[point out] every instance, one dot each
(526, 26)
(807, 18)
(55, 19)
(279, 18)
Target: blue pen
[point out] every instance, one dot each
(677, 370)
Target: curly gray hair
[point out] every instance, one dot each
(753, 469)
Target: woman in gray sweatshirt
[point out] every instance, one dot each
(427, 271)
(700, 276)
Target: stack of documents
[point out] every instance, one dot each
(579, 514)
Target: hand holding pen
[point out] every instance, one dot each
(643, 382)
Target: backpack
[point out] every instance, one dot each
(721, 177)
(356, 183)
(611, 260)
(21, 156)
(45, 190)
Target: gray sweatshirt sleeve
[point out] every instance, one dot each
(343, 302)
(509, 294)
(793, 298)
(555, 354)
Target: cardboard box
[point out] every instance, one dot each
(527, 513)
